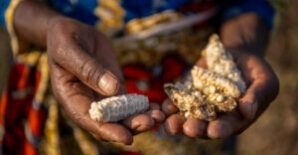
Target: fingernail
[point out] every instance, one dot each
(108, 83)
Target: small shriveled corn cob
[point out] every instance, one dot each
(190, 101)
(211, 82)
(116, 108)
(206, 92)
(221, 102)
(221, 61)
(203, 94)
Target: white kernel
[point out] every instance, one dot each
(219, 98)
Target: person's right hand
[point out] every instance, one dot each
(83, 69)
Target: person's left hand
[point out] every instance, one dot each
(262, 88)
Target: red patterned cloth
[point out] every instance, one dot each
(21, 120)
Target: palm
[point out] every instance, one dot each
(262, 89)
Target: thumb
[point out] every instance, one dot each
(87, 69)
(76, 100)
(248, 104)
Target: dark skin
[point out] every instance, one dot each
(84, 68)
(245, 37)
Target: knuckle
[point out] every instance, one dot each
(158, 115)
(96, 136)
(58, 24)
(90, 71)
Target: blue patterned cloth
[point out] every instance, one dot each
(83, 10)
(3, 6)
(143, 8)
(261, 7)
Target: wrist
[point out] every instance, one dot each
(32, 21)
(54, 21)
(245, 33)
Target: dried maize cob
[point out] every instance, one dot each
(116, 108)
(221, 61)
(203, 94)
(222, 103)
(211, 82)
(206, 92)
(190, 101)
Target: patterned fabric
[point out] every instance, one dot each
(3, 6)
(157, 42)
(8, 14)
(85, 10)
(21, 111)
(262, 8)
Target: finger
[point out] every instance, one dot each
(258, 96)
(248, 103)
(76, 99)
(111, 132)
(154, 106)
(168, 108)
(263, 86)
(139, 123)
(173, 124)
(194, 127)
(225, 125)
(157, 115)
(80, 63)
(202, 63)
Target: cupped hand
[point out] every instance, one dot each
(83, 69)
(262, 89)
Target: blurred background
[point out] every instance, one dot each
(276, 131)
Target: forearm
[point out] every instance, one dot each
(246, 32)
(31, 21)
